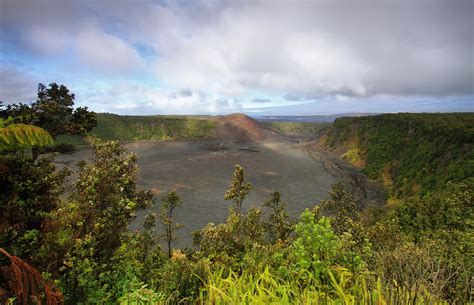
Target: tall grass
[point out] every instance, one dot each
(228, 287)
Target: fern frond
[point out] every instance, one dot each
(18, 136)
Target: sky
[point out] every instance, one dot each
(275, 57)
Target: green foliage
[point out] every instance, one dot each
(238, 190)
(226, 243)
(346, 221)
(107, 193)
(316, 248)
(21, 136)
(278, 224)
(410, 153)
(142, 295)
(298, 128)
(168, 204)
(29, 193)
(437, 229)
(249, 288)
(17, 113)
(150, 238)
(452, 209)
(341, 206)
(130, 128)
(420, 246)
(53, 111)
(344, 287)
(179, 279)
(105, 200)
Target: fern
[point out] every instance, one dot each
(21, 136)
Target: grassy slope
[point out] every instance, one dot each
(410, 153)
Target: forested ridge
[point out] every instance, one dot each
(153, 127)
(75, 247)
(128, 128)
(298, 128)
(410, 153)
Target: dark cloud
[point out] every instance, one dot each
(295, 97)
(186, 92)
(17, 86)
(261, 100)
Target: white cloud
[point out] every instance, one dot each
(105, 52)
(316, 48)
(129, 98)
(17, 85)
(48, 41)
(222, 52)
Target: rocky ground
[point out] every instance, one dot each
(366, 192)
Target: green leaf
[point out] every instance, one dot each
(21, 136)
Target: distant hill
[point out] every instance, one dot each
(241, 128)
(309, 118)
(409, 153)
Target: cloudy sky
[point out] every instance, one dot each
(258, 57)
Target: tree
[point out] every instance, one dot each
(238, 190)
(16, 113)
(29, 192)
(53, 111)
(278, 224)
(149, 236)
(227, 241)
(107, 193)
(168, 204)
(341, 207)
(345, 220)
(96, 220)
(317, 249)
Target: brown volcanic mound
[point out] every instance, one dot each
(241, 128)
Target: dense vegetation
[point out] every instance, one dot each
(129, 128)
(298, 128)
(153, 127)
(52, 112)
(412, 154)
(75, 247)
